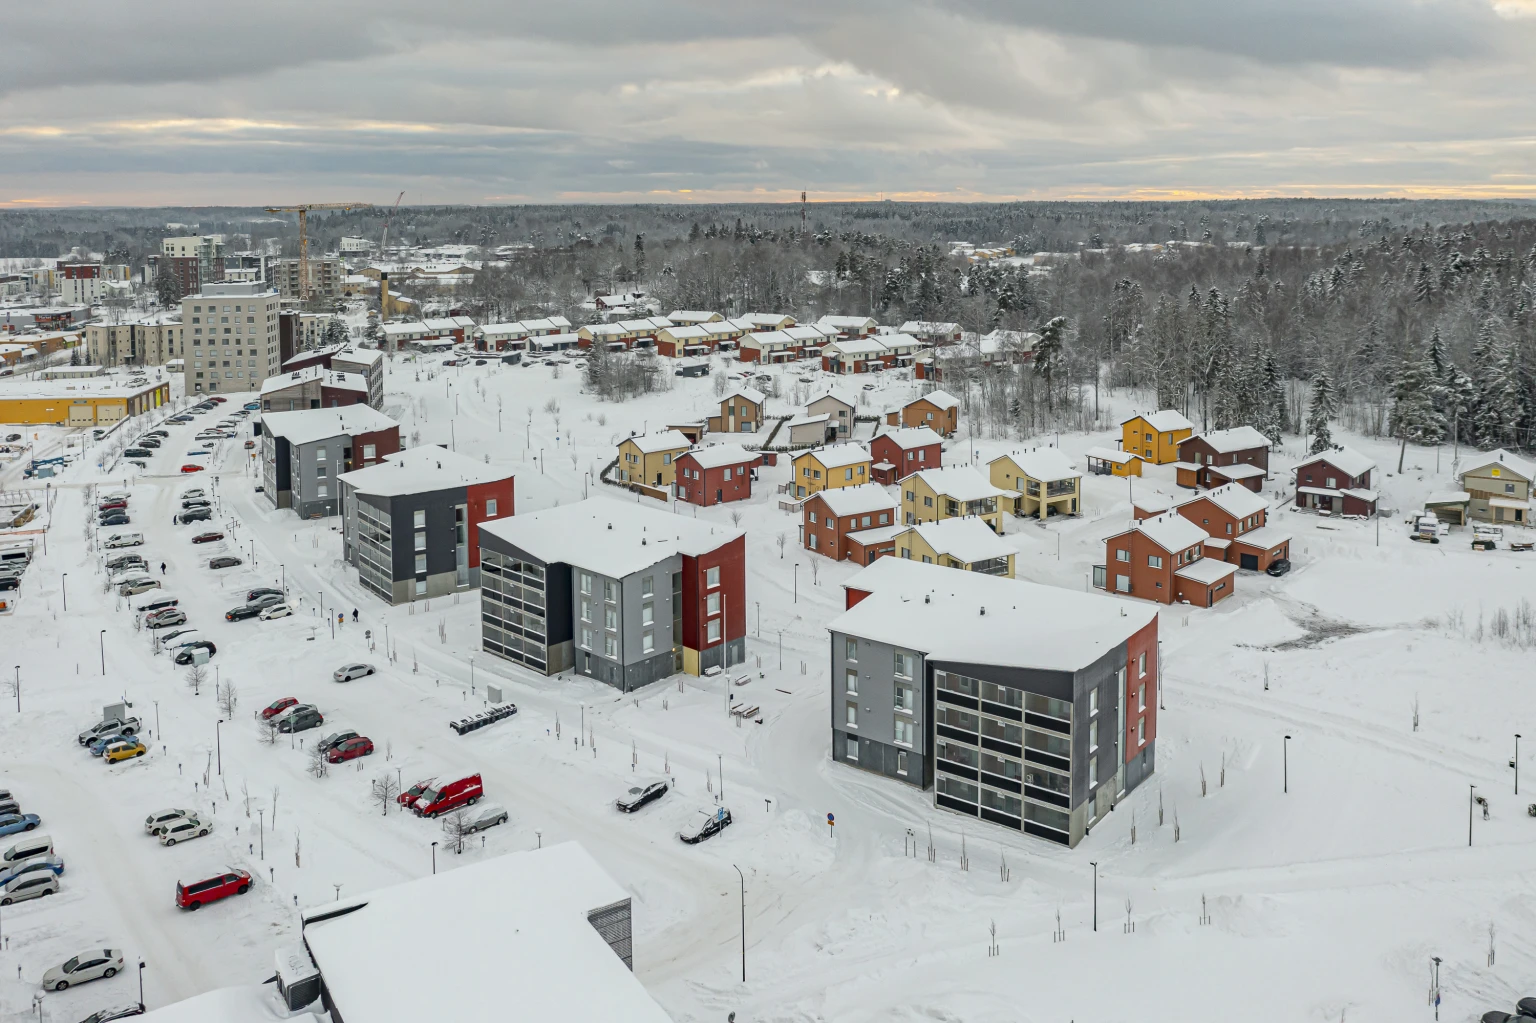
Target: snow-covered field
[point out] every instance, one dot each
(1322, 903)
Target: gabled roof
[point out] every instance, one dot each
(856, 346)
(692, 316)
(838, 455)
(939, 399)
(651, 443)
(1346, 460)
(1499, 456)
(716, 455)
(1044, 465)
(1240, 438)
(1112, 455)
(1165, 421)
(967, 540)
(960, 482)
(771, 339)
(752, 394)
(928, 327)
(807, 420)
(859, 500)
(848, 322)
(834, 393)
(1206, 571)
(422, 469)
(1234, 499)
(307, 425)
(808, 332)
(908, 437)
(1170, 531)
(766, 319)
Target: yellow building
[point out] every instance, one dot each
(957, 543)
(841, 465)
(78, 403)
(934, 495)
(1041, 482)
(1107, 462)
(651, 459)
(1156, 436)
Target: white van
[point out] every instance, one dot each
(124, 540)
(26, 848)
(15, 556)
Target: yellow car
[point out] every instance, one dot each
(123, 751)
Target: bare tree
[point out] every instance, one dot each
(196, 677)
(385, 791)
(781, 540)
(275, 791)
(458, 826)
(735, 517)
(228, 697)
(266, 731)
(318, 765)
(815, 571)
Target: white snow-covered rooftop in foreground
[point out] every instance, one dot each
(421, 469)
(251, 1004)
(614, 538)
(1025, 624)
(307, 425)
(505, 938)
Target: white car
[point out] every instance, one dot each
(195, 492)
(94, 964)
(161, 819)
(183, 829)
(28, 886)
(275, 611)
(348, 672)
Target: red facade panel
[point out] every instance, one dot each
(476, 497)
(731, 559)
(1140, 688)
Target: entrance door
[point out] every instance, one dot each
(1248, 561)
(719, 496)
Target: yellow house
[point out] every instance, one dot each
(651, 459)
(1041, 482)
(841, 465)
(1156, 436)
(1108, 462)
(957, 543)
(934, 495)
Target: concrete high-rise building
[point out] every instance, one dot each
(324, 279)
(207, 249)
(148, 341)
(231, 339)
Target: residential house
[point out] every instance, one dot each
(741, 411)
(855, 355)
(411, 522)
(367, 363)
(304, 451)
(849, 326)
(1163, 559)
(807, 430)
(779, 346)
(767, 321)
(832, 519)
(1236, 521)
(932, 333)
(1029, 707)
(691, 317)
(1239, 455)
(957, 543)
(932, 495)
(1156, 436)
(1499, 485)
(900, 452)
(937, 410)
(1109, 462)
(1042, 482)
(829, 468)
(1150, 503)
(835, 404)
(696, 339)
(651, 458)
(313, 387)
(716, 474)
(615, 336)
(622, 593)
(1337, 481)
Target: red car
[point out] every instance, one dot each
(351, 749)
(410, 795)
(221, 886)
(449, 796)
(121, 502)
(207, 537)
(218, 399)
(189, 467)
(276, 707)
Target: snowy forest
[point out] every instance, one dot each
(1413, 320)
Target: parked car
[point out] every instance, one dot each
(254, 406)
(183, 828)
(116, 518)
(155, 603)
(189, 503)
(10, 582)
(95, 964)
(9, 805)
(133, 587)
(15, 823)
(123, 750)
(712, 822)
(161, 818)
(301, 719)
(124, 562)
(195, 515)
(487, 816)
(207, 537)
(115, 1013)
(49, 862)
(1279, 567)
(111, 504)
(137, 452)
(191, 467)
(640, 796)
(253, 607)
(180, 419)
(224, 561)
(111, 726)
(410, 795)
(158, 433)
(12, 437)
(191, 493)
(220, 886)
(276, 707)
(149, 442)
(99, 746)
(348, 672)
(187, 654)
(349, 749)
(117, 540)
(167, 617)
(334, 739)
(263, 591)
(440, 799)
(29, 886)
(276, 611)
(180, 638)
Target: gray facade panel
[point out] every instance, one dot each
(634, 666)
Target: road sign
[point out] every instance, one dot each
(830, 821)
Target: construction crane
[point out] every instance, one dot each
(302, 210)
(384, 241)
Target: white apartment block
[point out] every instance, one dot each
(231, 341)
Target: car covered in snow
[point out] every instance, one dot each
(165, 618)
(187, 654)
(334, 739)
(50, 862)
(95, 964)
(708, 824)
(481, 817)
(253, 607)
(641, 795)
(410, 795)
(116, 1012)
(301, 718)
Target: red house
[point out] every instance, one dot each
(1337, 481)
(850, 523)
(1163, 559)
(1236, 520)
(1239, 455)
(899, 453)
(716, 474)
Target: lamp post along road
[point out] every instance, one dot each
(743, 923)
(1095, 865)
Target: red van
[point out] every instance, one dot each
(449, 796)
(221, 886)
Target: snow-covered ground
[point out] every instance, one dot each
(1324, 901)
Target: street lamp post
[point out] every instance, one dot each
(157, 719)
(743, 923)
(218, 739)
(261, 830)
(1095, 865)
(1286, 763)
(18, 689)
(797, 582)
(102, 641)
(141, 983)
(1436, 961)
(434, 857)
(1517, 759)
(1471, 799)
(64, 589)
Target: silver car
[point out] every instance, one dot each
(348, 672)
(94, 964)
(28, 886)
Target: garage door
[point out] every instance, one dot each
(1248, 561)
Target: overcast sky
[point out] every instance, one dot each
(168, 102)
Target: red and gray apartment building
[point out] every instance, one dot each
(1029, 707)
(303, 452)
(412, 522)
(614, 591)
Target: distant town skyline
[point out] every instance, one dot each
(678, 101)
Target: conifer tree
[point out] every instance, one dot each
(1320, 409)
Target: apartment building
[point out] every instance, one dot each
(303, 452)
(146, 341)
(1026, 706)
(325, 277)
(1044, 482)
(367, 363)
(206, 250)
(230, 339)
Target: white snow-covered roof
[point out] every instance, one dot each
(422, 469)
(1238, 471)
(1170, 531)
(1234, 499)
(690, 332)
(359, 356)
(960, 482)
(1025, 624)
(841, 323)
(856, 347)
(859, 500)
(1346, 460)
(327, 378)
(1152, 501)
(928, 327)
(835, 395)
(1046, 465)
(765, 319)
(307, 425)
(441, 323)
(651, 443)
(614, 538)
(1165, 421)
(1206, 571)
(1239, 438)
(1265, 538)
(967, 540)
(752, 394)
(908, 437)
(808, 332)
(1499, 456)
(808, 420)
(769, 340)
(880, 534)
(939, 399)
(692, 316)
(249, 1004)
(1448, 497)
(403, 329)
(1112, 455)
(503, 330)
(509, 935)
(717, 455)
(839, 455)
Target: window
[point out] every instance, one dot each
(586, 609)
(586, 638)
(1093, 736)
(866, 522)
(1093, 779)
(851, 714)
(1123, 583)
(421, 564)
(419, 519)
(490, 505)
(319, 452)
(727, 475)
(611, 647)
(714, 631)
(905, 663)
(1154, 561)
(421, 587)
(910, 496)
(610, 591)
(648, 613)
(901, 764)
(648, 586)
(586, 582)
(851, 648)
(712, 577)
(611, 619)
(851, 747)
(1122, 555)
(903, 699)
(903, 731)
(421, 540)
(813, 518)
(647, 641)
(1141, 731)
(712, 604)
(1093, 702)
(322, 491)
(851, 681)
(814, 544)
(1141, 665)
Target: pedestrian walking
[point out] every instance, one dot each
(354, 614)
(162, 568)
